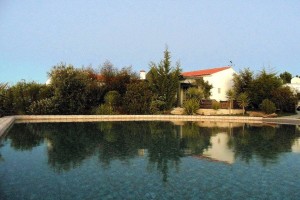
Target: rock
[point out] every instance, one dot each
(273, 115)
(177, 111)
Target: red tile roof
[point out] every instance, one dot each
(204, 72)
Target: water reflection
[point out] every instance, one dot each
(161, 144)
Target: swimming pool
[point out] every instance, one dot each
(150, 160)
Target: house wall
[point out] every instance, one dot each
(221, 82)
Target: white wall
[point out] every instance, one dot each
(222, 80)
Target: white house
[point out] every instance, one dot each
(220, 78)
(295, 84)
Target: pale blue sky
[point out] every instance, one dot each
(38, 34)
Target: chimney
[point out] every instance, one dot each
(142, 75)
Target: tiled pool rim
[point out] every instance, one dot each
(6, 122)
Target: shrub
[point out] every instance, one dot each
(112, 98)
(157, 105)
(191, 106)
(137, 99)
(267, 106)
(105, 109)
(46, 106)
(216, 105)
(194, 93)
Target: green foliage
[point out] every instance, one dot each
(195, 93)
(268, 106)
(23, 94)
(230, 94)
(105, 109)
(5, 100)
(216, 105)
(157, 105)
(75, 90)
(112, 98)
(138, 97)
(285, 77)
(205, 87)
(164, 80)
(243, 100)
(284, 99)
(242, 82)
(191, 106)
(115, 79)
(263, 86)
(47, 106)
(192, 103)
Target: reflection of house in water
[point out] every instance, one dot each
(219, 150)
(296, 146)
(49, 144)
(141, 152)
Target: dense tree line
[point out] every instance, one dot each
(265, 90)
(109, 90)
(86, 90)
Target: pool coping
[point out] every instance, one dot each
(7, 122)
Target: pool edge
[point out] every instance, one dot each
(6, 123)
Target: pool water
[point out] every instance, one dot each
(150, 160)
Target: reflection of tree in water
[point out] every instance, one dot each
(267, 143)
(24, 136)
(70, 144)
(164, 148)
(195, 139)
(119, 141)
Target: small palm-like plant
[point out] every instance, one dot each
(243, 101)
(230, 96)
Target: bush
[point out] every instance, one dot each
(46, 106)
(191, 106)
(105, 109)
(157, 105)
(216, 105)
(268, 106)
(112, 98)
(137, 99)
(194, 93)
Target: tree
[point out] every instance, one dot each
(24, 94)
(284, 99)
(192, 103)
(74, 89)
(164, 80)
(138, 98)
(286, 77)
(262, 87)
(3, 98)
(242, 82)
(230, 94)
(205, 87)
(112, 98)
(268, 106)
(243, 100)
(115, 79)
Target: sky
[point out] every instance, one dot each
(36, 35)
